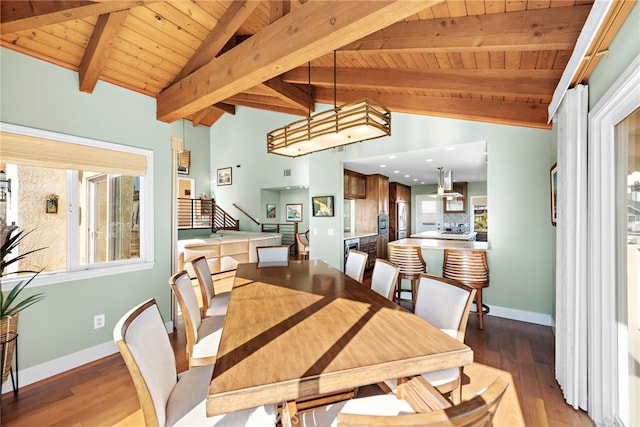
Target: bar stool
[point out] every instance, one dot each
(411, 264)
(470, 268)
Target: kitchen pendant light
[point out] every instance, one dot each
(352, 122)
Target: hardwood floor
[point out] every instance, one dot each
(102, 393)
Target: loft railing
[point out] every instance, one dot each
(204, 213)
(288, 231)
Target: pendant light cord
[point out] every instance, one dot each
(334, 80)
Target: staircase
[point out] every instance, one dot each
(204, 213)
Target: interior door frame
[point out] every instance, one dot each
(622, 98)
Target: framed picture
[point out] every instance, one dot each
(322, 205)
(553, 178)
(294, 212)
(224, 176)
(183, 170)
(271, 210)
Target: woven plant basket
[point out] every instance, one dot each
(8, 331)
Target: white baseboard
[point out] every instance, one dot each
(521, 315)
(62, 364)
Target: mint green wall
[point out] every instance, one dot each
(44, 96)
(517, 188)
(622, 50)
(241, 140)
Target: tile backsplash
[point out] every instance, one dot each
(454, 219)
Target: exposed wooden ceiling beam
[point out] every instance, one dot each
(311, 30)
(292, 94)
(477, 81)
(24, 15)
(500, 112)
(97, 52)
(278, 8)
(554, 28)
(227, 108)
(226, 28)
(264, 103)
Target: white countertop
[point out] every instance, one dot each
(358, 234)
(443, 244)
(445, 236)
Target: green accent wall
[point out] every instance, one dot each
(521, 259)
(44, 96)
(624, 48)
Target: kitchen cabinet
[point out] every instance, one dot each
(368, 245)
(378, 195)
(355, 185)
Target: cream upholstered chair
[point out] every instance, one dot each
(303, 245)
(203, 334)
(267, 254)
(444, 303)
(212, 304)
(166, 397)
(384, 278)
(389, 410)
(355, 264)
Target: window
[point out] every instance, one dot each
(86, 202)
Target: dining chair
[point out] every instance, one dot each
(212, 304)
(166, 397)
(445, 303)
(278, 253)
(472, 269)
(303, 245)
(384, 278)
(203, 334)
(385, 410)
(411, 263)
(355, 264)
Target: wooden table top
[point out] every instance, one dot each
(307, 328)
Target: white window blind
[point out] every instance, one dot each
(42, 152)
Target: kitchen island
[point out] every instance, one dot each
(444, 235)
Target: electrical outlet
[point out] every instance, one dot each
(98, 321)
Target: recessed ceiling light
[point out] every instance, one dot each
(392, 157)
(407, 176)
(451, 148)
(422, 183)
(396, 171)
(415, 179)
(383, 166)
(429, 160)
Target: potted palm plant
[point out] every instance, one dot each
(10, 304)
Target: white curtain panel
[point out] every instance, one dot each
(571, 247)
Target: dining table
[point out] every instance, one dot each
(305, 328)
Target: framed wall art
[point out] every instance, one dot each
(294, 212)
(224, 176)
(322, 205)
(271, 210)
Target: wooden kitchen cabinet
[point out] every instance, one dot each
(378, 195)
(355, 185)
(368, 245)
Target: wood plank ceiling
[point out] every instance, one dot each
(496, 61)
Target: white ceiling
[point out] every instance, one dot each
(466, 161)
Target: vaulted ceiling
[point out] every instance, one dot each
(496, 61)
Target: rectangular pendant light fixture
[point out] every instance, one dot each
(352, 122)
